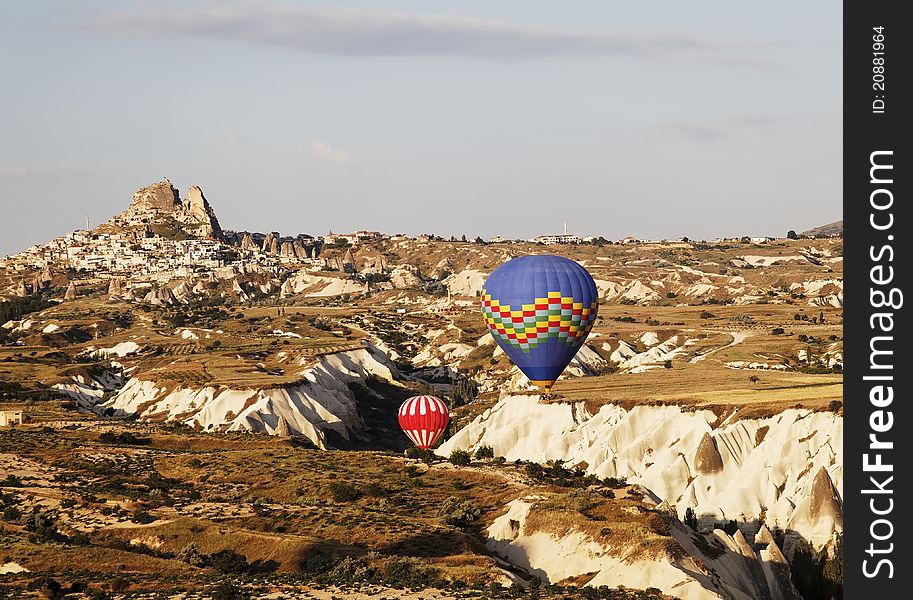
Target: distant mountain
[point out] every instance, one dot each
(834, 229)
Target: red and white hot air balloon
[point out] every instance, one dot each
(424, 419)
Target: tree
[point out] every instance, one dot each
(460, 458)
(691, 518)
(792, 235)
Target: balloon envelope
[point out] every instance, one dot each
(540, 309)
(424, 419)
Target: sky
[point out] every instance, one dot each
(474, 117)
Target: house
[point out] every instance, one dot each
(10, 418)
(550, 240)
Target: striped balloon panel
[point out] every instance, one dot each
(424, 420)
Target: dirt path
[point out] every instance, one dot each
(737, 338)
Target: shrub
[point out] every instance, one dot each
(459, 513)
(344, 492)
(191, 555)
(119, 584)
(460, 458)
(142, 517)
(228, 561)
(706, 314)
(483, 452)
(690, 518)
(777, 331)
(227, 591)
(12, 481)
(835, 406)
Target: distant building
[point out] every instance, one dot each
(549, 240)
(629, 240)
(10, 418)
(497, 239)
(762, 240)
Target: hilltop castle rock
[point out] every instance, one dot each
(159, 202)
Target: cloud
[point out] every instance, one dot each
(19, 172)
(228, 138)
(720, 130)
(369, 32)
(332, 160)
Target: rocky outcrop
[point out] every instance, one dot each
(405, 277)
(160, 204)
(746, 477)
(348, 261)
(161, 297)
(115, 287)
(707, 459)
(321, 403)
(711, 566)
(197, 209)
(301, 251)
(21, 290)
(70, 294)
(824, 499)
(442, 270)
(248, 243)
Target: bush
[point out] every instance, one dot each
(459, 513)
(483, 452)
(227, 591)
(690, 518)
(142, 517)
(344, 492)
(228, 561)
(460, 458)
(705, 314)
(191, 555)
(126, 438)
(777, 331)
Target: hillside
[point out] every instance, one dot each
(834, 229)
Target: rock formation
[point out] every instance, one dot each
(707, 458)
(37, 284)
(248, 243)
(70, 293)
(405, 276)
(287, 250)
(115, 287)
(443, 269)
(823, 499)
(160, 203)
(160, 297)
(21, 291)
(271, 243)
(300, 251)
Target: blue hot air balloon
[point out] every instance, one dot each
(540, 309)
